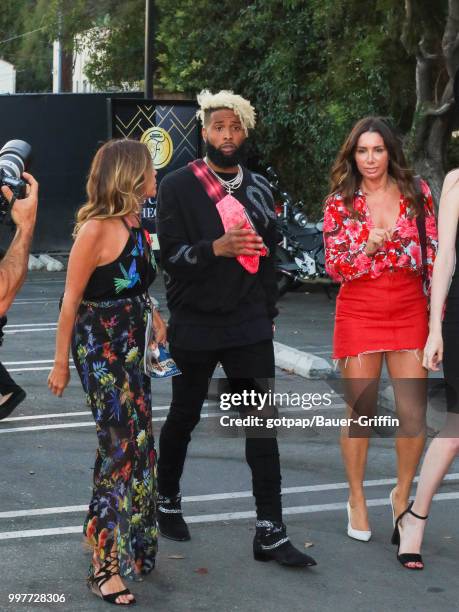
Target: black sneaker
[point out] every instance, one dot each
(272, 544)
(170, 519)
(18, 395)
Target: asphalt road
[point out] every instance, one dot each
(46, 458)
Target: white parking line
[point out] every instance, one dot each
(213, 518)
(34, 533)
(10, 325)
(41, 427)
(36, 301)
(27, 362)
(43, 511)
(156, 419)
(30, 330)
(57, 415)
(44, 368)
(54, 415)
(333, 486)
(228, 516)
(76, 425)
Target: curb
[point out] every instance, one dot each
(303, 364)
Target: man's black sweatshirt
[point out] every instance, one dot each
(214, 302)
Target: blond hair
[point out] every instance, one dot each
(209, 102)
(115, 186)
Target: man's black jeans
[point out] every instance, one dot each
(242, 365)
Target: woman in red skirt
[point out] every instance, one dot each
(373, 248)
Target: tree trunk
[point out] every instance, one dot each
(433, 118)
(67, 70)
(429, 160)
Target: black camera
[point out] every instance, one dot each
(14, 160)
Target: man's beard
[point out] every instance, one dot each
(221, 160)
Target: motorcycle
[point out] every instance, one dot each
(300, 254)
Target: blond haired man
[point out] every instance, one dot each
(221, 292)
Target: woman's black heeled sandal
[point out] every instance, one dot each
(407, 557)
(95, 581)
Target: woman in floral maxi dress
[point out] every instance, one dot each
(103, 320)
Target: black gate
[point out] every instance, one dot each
(169, 129)
(65, 131)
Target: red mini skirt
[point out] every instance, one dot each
(385, 314)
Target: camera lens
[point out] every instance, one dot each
(14, 156)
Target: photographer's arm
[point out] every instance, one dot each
(13, 267)
(84, 257)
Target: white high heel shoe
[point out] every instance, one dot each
(356, 534)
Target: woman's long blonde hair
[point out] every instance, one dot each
(116, 181)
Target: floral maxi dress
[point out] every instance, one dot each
(107, 348)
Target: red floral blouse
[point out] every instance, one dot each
(345, 239)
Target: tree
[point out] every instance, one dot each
(311, 69)
(21, 39)
(431, 35)
(117, 46)
(114, 35)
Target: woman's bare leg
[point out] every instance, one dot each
(409, 379)
(439, 456)
(362, 374)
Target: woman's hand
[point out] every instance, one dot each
(433, 351)
(59, 378)
(160, 328)
(376, 238)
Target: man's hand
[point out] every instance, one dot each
(376, 239)
(24, 212)
(238, 241)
